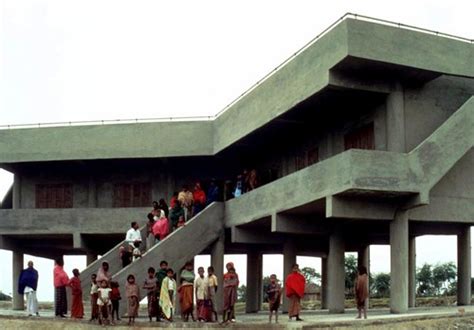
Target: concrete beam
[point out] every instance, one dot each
(464, 267)
(297, 224)
(399, 263)
(252, 236)
(342, 80)
(350, 208)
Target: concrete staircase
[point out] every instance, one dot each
(180, 246)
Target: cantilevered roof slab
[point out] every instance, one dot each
(351, 44)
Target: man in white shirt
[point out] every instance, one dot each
(133, 234)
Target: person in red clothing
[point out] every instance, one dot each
(77, 307)
(199, 198)
(115, 298)
(294, 285)
(61, 281)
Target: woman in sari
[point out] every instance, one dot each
(186, 293)
(161, 227)
(295, 285)
(168, 295)
(77, 308)
(231, 283)
(103, 272)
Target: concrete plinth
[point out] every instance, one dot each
(289, 258)
(464, 266)
(399, 263)
(17, 266)
(363, 259)
(254, 279)
(336, 274)
(324, 283)
(412, 272)
(217, 261)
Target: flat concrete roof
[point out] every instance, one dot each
(349, 43)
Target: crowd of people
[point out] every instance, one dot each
(196, 295)
(160, 285)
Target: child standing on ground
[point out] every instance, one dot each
(201, 285)
(212, 287)
(150, 286)
(361, 291)
(168, 295)
(94, 297)
(104, 302)
(77, 308)
(114, 298)
(274, 297)
(133, 297)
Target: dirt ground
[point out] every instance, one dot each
(457, 322)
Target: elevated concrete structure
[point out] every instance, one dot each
(364, 137)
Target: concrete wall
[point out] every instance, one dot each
(427, 107)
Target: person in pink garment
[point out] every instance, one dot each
(161, 227)
(61, 281)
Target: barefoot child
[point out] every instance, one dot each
(212, 282)
(114, 298)
(133, 297)
(361, 291)
(231, 283)
(77, 308)
(168, 295)
(150, 286)
(274, 297)
(94, 297)
(104, 302)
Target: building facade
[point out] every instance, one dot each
(364, 137)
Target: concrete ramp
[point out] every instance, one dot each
(180, 246)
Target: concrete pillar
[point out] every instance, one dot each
(92, 196)
(412, 272)
(336, 273)
(324, 283)
(254, 280)
(17, 266)
(16, 198)
(464, 266)
(396, 120)
(399, 263)
(217, 261)
(90, 258)
(363, 259)
(289, 259)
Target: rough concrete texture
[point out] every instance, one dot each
(399, 263)
(302, 77)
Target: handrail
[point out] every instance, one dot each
(251, 88)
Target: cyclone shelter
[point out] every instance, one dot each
(364, 137)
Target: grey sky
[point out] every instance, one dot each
(92, 60)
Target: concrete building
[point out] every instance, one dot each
(364, 137)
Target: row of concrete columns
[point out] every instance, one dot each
(403, 270)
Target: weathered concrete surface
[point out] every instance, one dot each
(399, 263)
(464, 266)
(17, 267)
(412, 271)
(106, 141)
(302, 77)
(335, 273)
(69, 221)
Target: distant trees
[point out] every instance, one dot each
(437, 280)
(311, 275)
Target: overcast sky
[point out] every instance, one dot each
(93, 60)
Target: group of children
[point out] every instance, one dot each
(162, 289)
